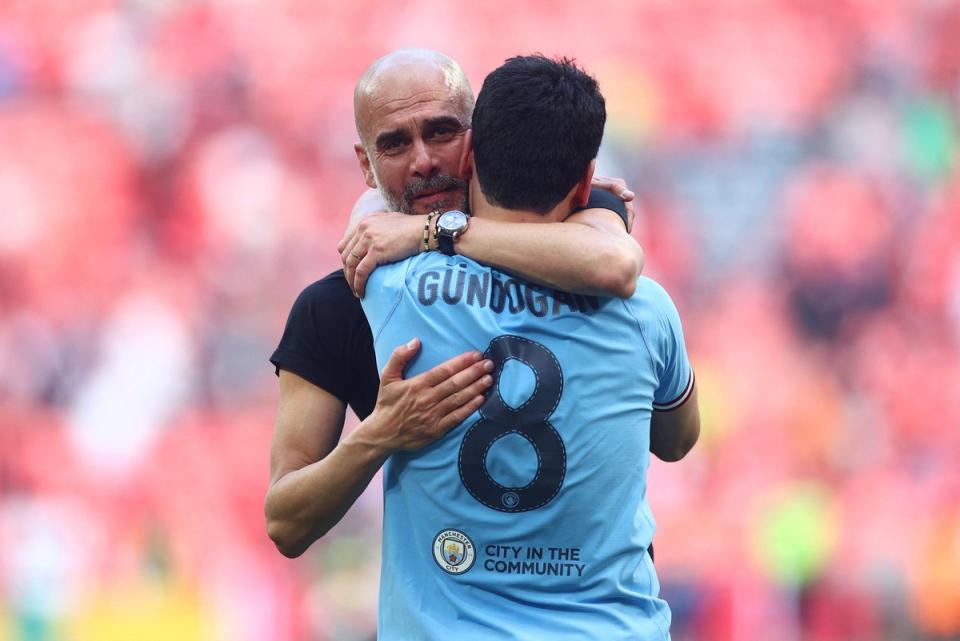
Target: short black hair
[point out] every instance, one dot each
(537, 125)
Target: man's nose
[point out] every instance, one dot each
(424, 164)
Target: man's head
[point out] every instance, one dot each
(537, 127)
(413, 109)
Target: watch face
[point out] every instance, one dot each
(452, 221)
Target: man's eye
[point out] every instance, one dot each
(444, 133)
(389, 146)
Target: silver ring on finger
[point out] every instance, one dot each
(359, 258)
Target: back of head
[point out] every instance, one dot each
(537, 124)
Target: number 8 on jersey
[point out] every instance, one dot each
(530, 420)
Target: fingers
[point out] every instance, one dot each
(401, 356)
(349, 236)
(357, 240)
(460, 414)
(449, 368)
(465, 395)
(362, 272)
(350, 251)
(353, 252)
(454, 385)
(616, 186)
(352, 258)
(433, 402)
(631, 215)
(348, 273)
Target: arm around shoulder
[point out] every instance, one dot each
(589, 253)
(619, 258)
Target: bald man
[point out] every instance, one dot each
(413, 109)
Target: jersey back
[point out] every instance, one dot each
(529, 520)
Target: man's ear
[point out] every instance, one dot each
(365, 167)
(466, 156)
(582, 194)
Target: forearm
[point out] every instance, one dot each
(304, 504)
(568, 256)
(315, 480)
(674, 433)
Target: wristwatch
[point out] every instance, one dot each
(450, 226)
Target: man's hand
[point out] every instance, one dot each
(415, 412)
(315, 480)
(618, 187)
(375, 240)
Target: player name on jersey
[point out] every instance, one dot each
(500, 295)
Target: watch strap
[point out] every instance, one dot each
(446, 244)
(445, 237)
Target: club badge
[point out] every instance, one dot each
(453, 551)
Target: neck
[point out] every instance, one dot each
(481, 208)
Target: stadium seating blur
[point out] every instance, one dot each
(172, 173)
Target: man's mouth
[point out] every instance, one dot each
(430, 196)
(425, 195)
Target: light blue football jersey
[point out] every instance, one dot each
(529, 520)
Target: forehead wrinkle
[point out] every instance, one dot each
(420, 96)
(415, 64)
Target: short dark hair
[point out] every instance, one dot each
(537, 125)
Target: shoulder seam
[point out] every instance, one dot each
(643, 335)
(396, 304)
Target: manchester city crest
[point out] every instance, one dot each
(453, 551)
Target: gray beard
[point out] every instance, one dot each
(457, 186)
(390, 202)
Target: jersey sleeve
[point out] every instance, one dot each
(603, 199)
(384, 291)
(664, 335)
(315, 339)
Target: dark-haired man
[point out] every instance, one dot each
(413, 109)
(529, 519)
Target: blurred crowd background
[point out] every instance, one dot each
(173, 173)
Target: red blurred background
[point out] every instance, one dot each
(172, 173)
